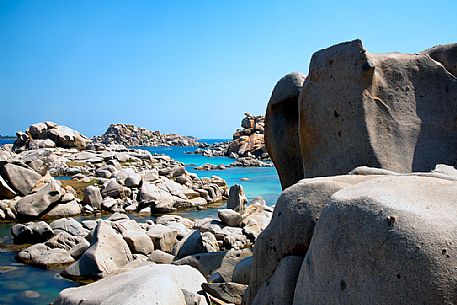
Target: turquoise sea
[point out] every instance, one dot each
(17, 278)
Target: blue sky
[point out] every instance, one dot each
(191, 67)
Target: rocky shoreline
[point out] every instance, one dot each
(100, 178)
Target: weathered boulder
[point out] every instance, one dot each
(229, 217)
(67, 209)
(160, 284)
(36, 204)
(292, 225)
(380, 110)
(66, 137)
(138, 242)
(358, 108)
(197, 242)
(115, 190)
(160, 257)
(445, 55)
(93, 197)
(108, 252)
(31, 233)
(163, 237)
(236, 200)
(42, 256)
(281, 129)
(70, 226)
(38, 144)
(390, 240)
(21, 179)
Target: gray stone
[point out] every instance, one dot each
(93, 197)
(354, 255)
(380, 110)
(21, 178)
(162, 284)
(35, 204)
(138, 242)
(160, 257)
(115, 190)
(45, 257)
(229, 217)
(67, 209)
(237, 200)
(291, 228)
(163, 237)
(108, 252)
(69, 225)
(281, 129)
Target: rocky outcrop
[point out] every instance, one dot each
(348, 231)
(281, 129)
(247, 146)
(49, 135)
(393, 111)
(130, 135)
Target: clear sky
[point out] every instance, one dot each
(191, 66)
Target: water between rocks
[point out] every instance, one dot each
(22, 284)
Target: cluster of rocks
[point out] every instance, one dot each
(218, 250)
(104, 178)
(241, 161)
(381, 234)
(49, 135)
(130, 135)
(247, 146)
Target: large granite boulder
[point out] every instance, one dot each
(21, 179)
(372, 237)
(281, 129)
(107, 253)
(291, 228)
(391, 240)
(393, 111)
(151, 284)
(37, 204)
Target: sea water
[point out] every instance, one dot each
(16, 278)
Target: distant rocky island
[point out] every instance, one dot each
(130, 135)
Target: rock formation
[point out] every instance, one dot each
(48, 135)
(130, 135)
(393, 111)
(247, 146)
(281, 129)
(371, 237)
